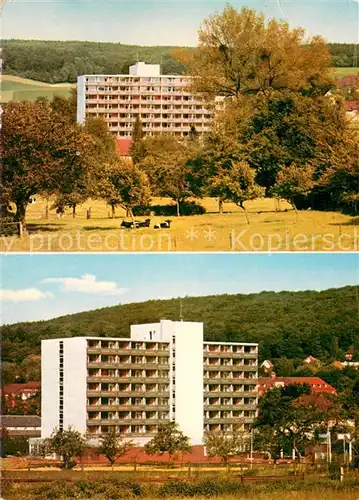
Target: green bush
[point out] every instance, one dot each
(207, 488)
(188, 208)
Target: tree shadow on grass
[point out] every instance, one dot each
(352, 222)
(100, 228)
(42, 228)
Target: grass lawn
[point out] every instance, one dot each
(20, 89)
(269, 230)
(341, 72)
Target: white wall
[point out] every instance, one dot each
(143, 69)
(189, 379)
(81, 112)
(75, 383)
(49, 386)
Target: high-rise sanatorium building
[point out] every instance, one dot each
(162, 102)
(164, 371)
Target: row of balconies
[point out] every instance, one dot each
(223, 377)
(233, 355)
(134, 380)
(137, 93)
(158, 119)
(229, 348)
(218, 427)
(224, 407)
(146, 109)
(113, 407)
(127, 346)
(199, 128)
(230, 367)
(239, 391)
(144, 100)
(118, 393)
(125, 80)
(97, 370)
(115, 421)
(98, 428)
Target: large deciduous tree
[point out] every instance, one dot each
(171, 169)
(124, 184)
(239, 53)
(41, 153)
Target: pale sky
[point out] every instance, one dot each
(43, 286)
(166, 22)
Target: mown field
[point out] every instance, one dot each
(15, 88)
(269, 230)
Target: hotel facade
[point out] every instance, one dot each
(162, 102)
(164, 371)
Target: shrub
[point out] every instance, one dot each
(187, 208)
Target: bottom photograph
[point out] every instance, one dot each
(180, 375)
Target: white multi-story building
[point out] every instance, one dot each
(164, 371)
(162, 102)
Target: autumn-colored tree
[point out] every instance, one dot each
(113, 446)
(171, 169)
(66, 107)
(292, 182)
(41, 153)
(124, 184)
(341, 179)
(239, 53)
(236, 182)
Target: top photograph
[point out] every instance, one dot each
(152, 126)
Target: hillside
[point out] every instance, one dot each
(61, 61)
(291, 324)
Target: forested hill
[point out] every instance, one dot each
(62, 61)
(292, 324)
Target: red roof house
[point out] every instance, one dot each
(25, 391)
(348, 81)
(123, 146)
(317, 385)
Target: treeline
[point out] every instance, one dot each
(63, 61)
(57, 62)
(286, 324)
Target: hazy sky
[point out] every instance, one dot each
(45, 286)
(166, 22)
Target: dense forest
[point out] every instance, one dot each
(286, 324)
(62, 61)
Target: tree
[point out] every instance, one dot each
(168, 439)
(138, 148)
(284, 423)
(42, 152)
(171, 168)
(125, 185)
(225, 445)
(292, 182)
(69, 444)
(236, 182)
(240, 54)
(113, 446)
